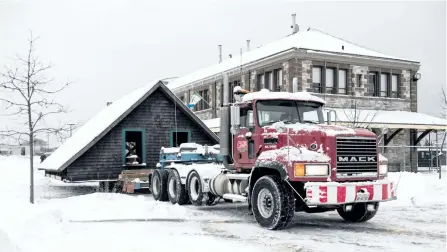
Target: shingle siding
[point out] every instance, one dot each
(157, 116)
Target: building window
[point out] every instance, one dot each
(394, 81)
(373, 83)
(182, 98)
(178, 137)
(330, 80)
(204, 101)
(232, 85)
(316, 79)
(279, 79)
(342, 81)
(133, 147)
(260, 84)
(383, 85)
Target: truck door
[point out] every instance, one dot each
(243, 142)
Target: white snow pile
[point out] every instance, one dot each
(302, 128)
(290, 154)
(73, 217)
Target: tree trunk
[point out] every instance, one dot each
(31, 156)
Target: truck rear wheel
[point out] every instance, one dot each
(176, 191)
(159, 187)
(195, 192)
(273, 203)
(359, 212)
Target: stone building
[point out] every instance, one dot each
(345, 74)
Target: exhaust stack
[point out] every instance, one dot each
(248, 45)
(220, 53)
(225, 134)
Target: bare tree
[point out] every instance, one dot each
(29, 100)
(357, 117)
(444, 103)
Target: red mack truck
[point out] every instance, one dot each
(277, 154)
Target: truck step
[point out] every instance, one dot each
(237, 176)
(235, 197)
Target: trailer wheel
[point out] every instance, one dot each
(176, 191)
(195, 192)
(359, 212)
(273, 203)
(159, 188)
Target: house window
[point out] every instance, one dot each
(316, 79)
(330, 80)
(373, 83)
(383, 85)
(134, 147)
(342, 81)
(394, 79)
(178, 137)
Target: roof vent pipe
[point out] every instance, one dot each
(294, 26)
(248, 45)
(220, 53)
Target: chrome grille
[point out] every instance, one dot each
(356, 156)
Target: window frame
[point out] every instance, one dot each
(394, 94)
(387, 75)
(332, 89)
(143, 145)
(345, 83)
(317, 87)
(171, 135)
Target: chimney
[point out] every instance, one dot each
(109, 102)
(294, 26)
(220, 53)
(248, 45)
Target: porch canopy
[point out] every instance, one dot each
(375, 119)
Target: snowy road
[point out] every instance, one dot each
(74, 218)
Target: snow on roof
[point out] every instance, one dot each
(266, 94)
(373, 118)
(390, 119)
(93, 129)
(308, 40)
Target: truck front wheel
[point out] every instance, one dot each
(359, 212)
(273, 203)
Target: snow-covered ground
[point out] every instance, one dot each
(74, 217)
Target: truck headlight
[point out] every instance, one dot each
(383, 169)
(317, 170)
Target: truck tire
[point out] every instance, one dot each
(159, 187)
(273, 203)
(195, 192)
(176, 191)
(358, 213)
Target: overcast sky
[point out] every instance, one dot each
(110, 47)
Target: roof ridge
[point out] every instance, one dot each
(345, 40)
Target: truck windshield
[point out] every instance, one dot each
(288, 111)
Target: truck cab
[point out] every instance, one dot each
(289, 130)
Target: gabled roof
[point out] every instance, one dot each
(311, 40)
(99, 125)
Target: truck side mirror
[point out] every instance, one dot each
(235, 117)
